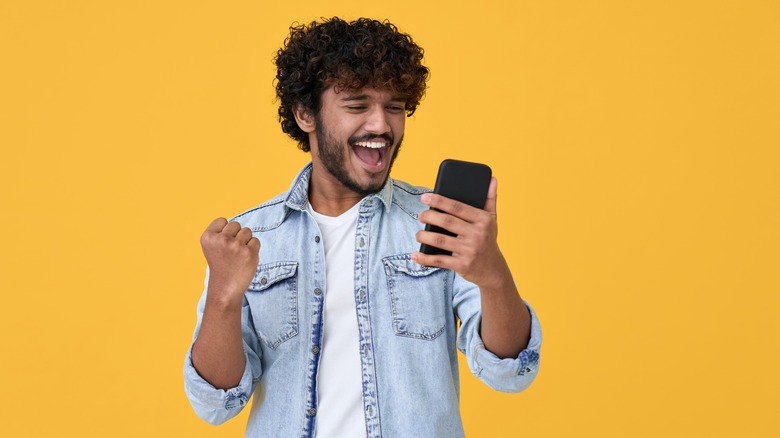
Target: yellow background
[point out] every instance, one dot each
(635, 142)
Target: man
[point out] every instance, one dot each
(338, 326)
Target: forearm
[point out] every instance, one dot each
(218, 352)
(506, 322)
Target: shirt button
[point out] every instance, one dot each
(315, 349)
(317, 239)
(362, 242)
(312, 412)
(317, 291)
(370, 411)
(361, 295)
(263, 281)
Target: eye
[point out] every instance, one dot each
(396, 108)
(356, 107)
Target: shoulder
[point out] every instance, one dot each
(407, 197)
(266, 216)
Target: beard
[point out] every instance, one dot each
(331, 153)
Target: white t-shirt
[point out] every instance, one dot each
(339, 385)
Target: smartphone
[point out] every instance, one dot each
(462, 181)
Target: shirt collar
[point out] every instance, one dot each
(298, 196)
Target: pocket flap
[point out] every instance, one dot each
(270, 273)
(403, 263)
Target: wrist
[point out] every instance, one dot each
(499, 280)
(223, 299)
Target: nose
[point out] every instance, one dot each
(376, 121)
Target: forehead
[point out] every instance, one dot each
(362, 94)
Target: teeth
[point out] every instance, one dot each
(371, 144)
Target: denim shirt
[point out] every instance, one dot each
(408, 318)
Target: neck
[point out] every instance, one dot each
(328, 196)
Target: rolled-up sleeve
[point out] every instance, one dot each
(217, 405)
(506, 375)
(214, 405)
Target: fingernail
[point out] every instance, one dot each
(425, 198)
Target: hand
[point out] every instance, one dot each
(232, 254)
(475, 253)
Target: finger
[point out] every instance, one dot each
(244, 235)
(231, 229)
(254, 244)
(451, 206)
(217, 225)
(434, 260)
(438, 240)
(444, 220)
(490, 203)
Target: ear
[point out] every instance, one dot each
(304, 118)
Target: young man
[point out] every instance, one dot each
(338, 326)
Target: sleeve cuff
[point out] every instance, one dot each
(510, 374)
(216, 405)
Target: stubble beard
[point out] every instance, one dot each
(331, 154)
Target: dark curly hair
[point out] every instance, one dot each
(345, 55)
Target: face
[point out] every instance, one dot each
(358, 134)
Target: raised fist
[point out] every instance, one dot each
(232, 254)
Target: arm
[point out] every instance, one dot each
(223, 364)
(232, 255)
(506, 322)
(502, 374)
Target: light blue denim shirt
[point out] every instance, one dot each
(407, 315)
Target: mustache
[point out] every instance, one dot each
(370, 137)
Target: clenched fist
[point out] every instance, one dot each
(232, 254)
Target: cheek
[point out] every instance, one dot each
(398, 127)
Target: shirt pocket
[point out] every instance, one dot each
(418, 297)
(273, 302)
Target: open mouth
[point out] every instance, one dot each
(371, 153)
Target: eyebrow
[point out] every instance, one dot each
(366, 97)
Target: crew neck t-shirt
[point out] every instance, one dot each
(339, 385)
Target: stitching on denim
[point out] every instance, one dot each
(391, 271)
(412, 190)
(256, 285)
(268, 203)
(528, 359)
(477, 367)
(235, 399)
(294, 320)
(292, 279)
(405, 210)
(274, 225)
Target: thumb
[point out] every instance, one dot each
(490, 203)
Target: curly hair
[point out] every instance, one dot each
(345, 55)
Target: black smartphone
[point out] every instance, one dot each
(462, 181)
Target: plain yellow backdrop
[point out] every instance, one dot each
(635, 143)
